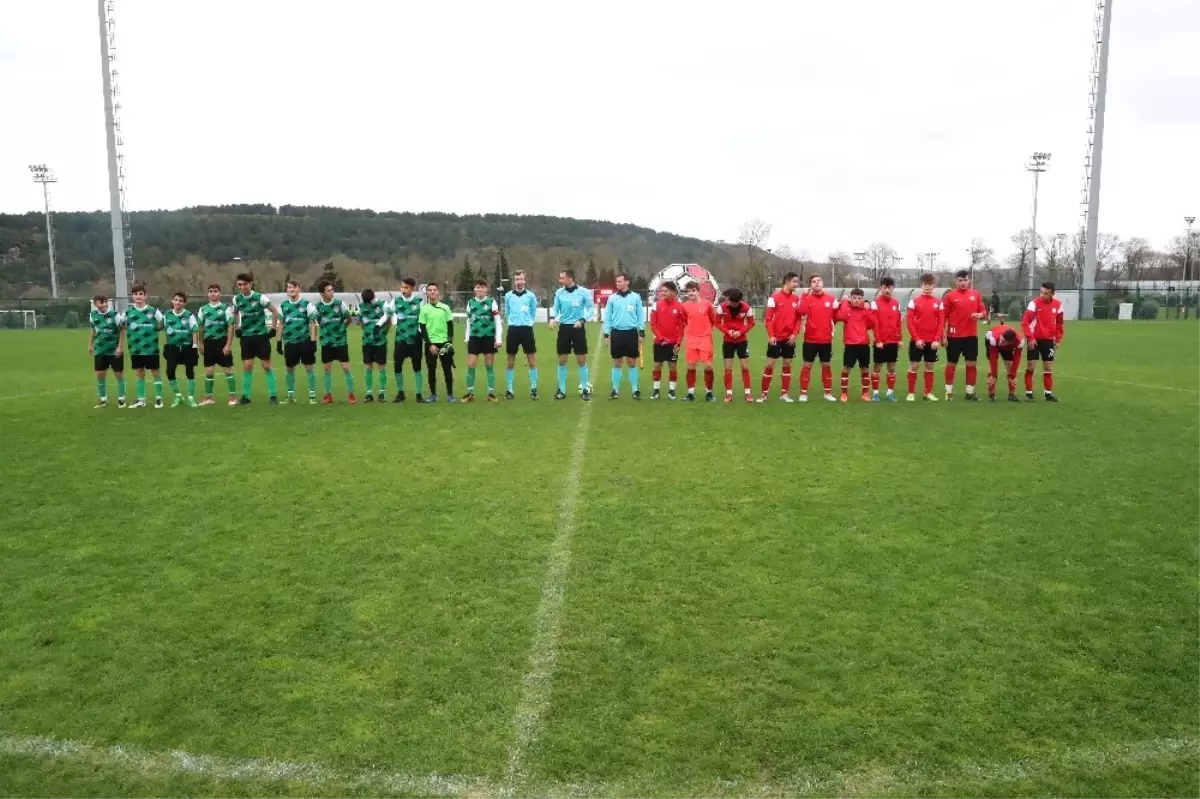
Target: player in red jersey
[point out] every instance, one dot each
(889, 335)
(735, 318)
(1042, 324)
(963, 307)
(819, 309)
(782, 321)
(925, 334)
(701, 319)
(858, 320)
(1003, 342)
(666, 326)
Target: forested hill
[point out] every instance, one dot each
(296, 238)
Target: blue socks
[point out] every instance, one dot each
(562, 378)
(616, 378)
(634, 373)
(508, 379)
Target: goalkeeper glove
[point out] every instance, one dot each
(279, 346)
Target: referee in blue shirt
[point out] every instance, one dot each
(624, 327)
(520, 309)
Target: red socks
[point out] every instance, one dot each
(875, 381)
(845, 382)
(1048, 381)
(1012, 380)
(891, 382)
(746, 377)
(729, 380)
(1029, 380)
(972, 374)
(657, 373)
(805, 376)
(674, 373)
(709, 376)
(928, 381)
(866, 380)
(827, 377)
(766, 379)
(787, 378)
(950, 369)
(912, 382)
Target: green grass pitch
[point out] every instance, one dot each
(909, 599)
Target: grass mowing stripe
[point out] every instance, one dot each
(543, 652)
(1127, 383)
(872, 781)
(33, 394)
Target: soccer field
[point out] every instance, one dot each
(603, 599)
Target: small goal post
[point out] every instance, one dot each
(18, 318)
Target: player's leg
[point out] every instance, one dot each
(247, 374)
(864, 375)
(564, 349)
(930, 360)
(118, 367)
(264, 359)
(100, 369)
(585, 383)
(368, 359)
(915, 357)
(709, 377)
(993, 357)
(877, 355)
(448, 374)
(381, 368)
(1013, 365)
(971, 355)
(173, 374)
(531, 360)
(398, 370)
(156, 378)
(727, 353)
(191, 358)
(489, 368)
(690, 359)
(616, 354)
(825, 353)
(140, 384)
(808, 354)
(953, 353)
(510, 363)
(418, 375)
(634, 373)
(768, 373)
(431, 364)
(744, 363)
(472, 360)
(327, 360)
(1030, 365)
(847, 355)
(1047, 353)
(348, 375)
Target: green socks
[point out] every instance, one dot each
(399, 381)
(329, 382)
(349, 378)
(174, 386)
(370, 380)
(470, 381)
(102, 388)
(382, 380)
(208, 386)
(290, 379)
(141, 388)
(247, 382)
(271, 383)
(312, 381)
(121, 387)
(491, 378)
(419, 377)
(158, 388)
(191, 384)
(229, 380)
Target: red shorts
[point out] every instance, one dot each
(700, 354)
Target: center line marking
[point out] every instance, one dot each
(543, 652)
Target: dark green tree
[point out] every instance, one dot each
(639, 282)
(330, 274)
(591, 276)
(465, 279)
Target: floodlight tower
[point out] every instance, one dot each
(1101, 33)
(122, 243)
(1037, 165)
(45, 175)
(1187, 244)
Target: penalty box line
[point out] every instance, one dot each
(867, 781)
(538, 679)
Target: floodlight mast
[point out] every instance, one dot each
(1037, 165)
(1187, 244)
(121, 243)
(45, 175)
(1102, 31)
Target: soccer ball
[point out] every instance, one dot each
(684, 275)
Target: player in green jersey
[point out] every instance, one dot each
(250, 311)
(374, 318)
(106, 345)
(437, 331)
(296, 328)
(142, 323)
(215, 321)
(483, 338)
(333, 317)
(403, 313)
(183, 343)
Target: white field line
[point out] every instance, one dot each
(320, 778)
(37, 394)
(1134, 385)
(538, 680)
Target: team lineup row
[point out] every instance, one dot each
(873, 333)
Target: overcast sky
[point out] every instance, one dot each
(840, 123)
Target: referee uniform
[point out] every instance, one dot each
(624, 326)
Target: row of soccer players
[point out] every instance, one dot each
(425, 329)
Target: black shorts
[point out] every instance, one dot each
(1042, 351)
(214, 353)
(300, 352)
(407, 350)
(481, 345)
(340, 353)
(928, 355)
(735, 349)
(1006, 355)
(375, 353)
(856, 355)
(150, 362)
(102, 363)
(572, 339)
(887, 353)
(781, 350)
(520, 338)
(623, 344)
(665, 353)
(963, 346)
(813, 351)
(180, 356)
(256, 347)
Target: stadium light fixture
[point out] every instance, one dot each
(1037, 165)
(1187, 258)
(45, 175)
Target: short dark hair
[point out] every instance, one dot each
(408, 281)
(295, 283)
(962, 273)
(212, 286)
(368, 295)
(480, 282)
(788, 276)
(734, 295)
(621, 274)
(99, 298)
(886, 281)
(433, 284)
(179, 294)
(137, 288)
(245, 276)
(324, 284)
(1049, 284)
(670, 286)
(856, 292)
(928, 278)
(811, 278)
(568, 272)
(1009, 335)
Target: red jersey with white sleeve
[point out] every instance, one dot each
(925, 318)
(820, 313)
(783, 315)
(958, 305)
(1043, 320)
(857, 323)
(888, 329)
(995, 339)
(667, 319)
(731, 318)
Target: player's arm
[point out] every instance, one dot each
(195, 332)
(450, 328)
(769, 320)
(555, 310)
(653, 313)
(91, 340)
(910, 321)
(499, 322)
(1060, 326)
(1027, 324)
(606, 321)
(981, 311)
(641, 315)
